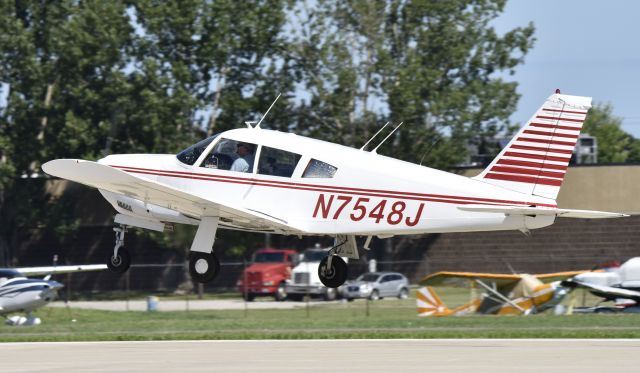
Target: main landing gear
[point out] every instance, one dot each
(204, 265)
(333, 270)
(119, 261)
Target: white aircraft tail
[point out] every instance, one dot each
(536, 159)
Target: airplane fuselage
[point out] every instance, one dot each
(368, 193)
(25, 295)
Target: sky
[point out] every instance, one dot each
(584, 48)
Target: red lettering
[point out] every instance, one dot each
(378, 211)
(395, 217)
(321, 205)
(416, 218)
(360, 208)
(346, 200)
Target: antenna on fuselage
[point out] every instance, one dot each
(374, 136)
(385, 139)
(267, 112)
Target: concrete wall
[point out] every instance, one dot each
(605, 188)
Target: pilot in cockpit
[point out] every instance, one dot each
(244, 162)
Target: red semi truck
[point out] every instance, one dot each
(267, 274)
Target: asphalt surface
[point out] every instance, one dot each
(463, 355)
(182, 305)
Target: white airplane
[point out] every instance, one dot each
(21, 294)
(259, 180)
(619, 284)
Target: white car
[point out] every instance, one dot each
(377, 285)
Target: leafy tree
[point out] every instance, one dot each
(63, 65)
(434, 65)
(86, 79)
(614, 144)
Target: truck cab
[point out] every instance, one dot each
(267, 274)
(304, 279)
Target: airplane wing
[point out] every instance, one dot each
(558, 276)
(524, 210)
(111, 179)
(604, 291)
(35, 271)
(462, 279)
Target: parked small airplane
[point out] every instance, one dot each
(504, 294)
(21, 294)
(260, 180)
(618, 284)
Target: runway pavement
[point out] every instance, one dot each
(462, 355)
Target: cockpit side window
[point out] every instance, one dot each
(319, 169)
(231, 155)
(277, 162)
(191, 154)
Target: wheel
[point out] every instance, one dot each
(375, 295)
(281, 293)
(350, 299)
(403, 294)
(249, 297)
(119, 263)
(330, 294)
(334, 276)
(203, 267)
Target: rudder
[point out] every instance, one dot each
(536, 159)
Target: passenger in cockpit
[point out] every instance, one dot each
(244, 163)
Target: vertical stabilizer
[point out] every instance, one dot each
(536, 159)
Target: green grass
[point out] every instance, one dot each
(385, 319)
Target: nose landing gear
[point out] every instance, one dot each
(119, 261)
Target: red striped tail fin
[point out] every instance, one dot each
(536, 159)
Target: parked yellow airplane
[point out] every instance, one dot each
(505, 294)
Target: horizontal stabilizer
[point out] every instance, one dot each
(542, 211)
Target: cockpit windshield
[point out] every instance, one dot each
(191, 154)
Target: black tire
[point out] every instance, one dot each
(403, 294)
(374, 295)
(203, 267)
(350, 299)
(336, 275)
(119, 263)
(281, 293)
(249, 297)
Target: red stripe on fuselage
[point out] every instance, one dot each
(539, 149)
(328, 189)
(554, 126)
(544, 141)
(524, 179)
(537, 156)
(552, 134)
(559, 118)
(565, 111)
(513, 162)
(527, 171)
